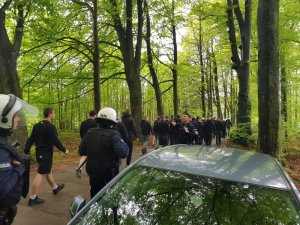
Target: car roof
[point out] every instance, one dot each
(222, 163)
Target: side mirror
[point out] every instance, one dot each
(76, 204)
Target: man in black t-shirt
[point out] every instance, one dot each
(44, 136)
(84, 127)
(88, 123)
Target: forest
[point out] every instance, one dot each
(213, 58)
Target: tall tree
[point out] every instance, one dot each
(155, 83)
(241, 61)
(9, 49)
(93, 8)
(131, 55)
(216, 85)
(175, 60)
(268, 77)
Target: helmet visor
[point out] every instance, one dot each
(27, 113)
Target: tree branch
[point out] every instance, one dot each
(84, 4)
(37, 73)
(238, 13)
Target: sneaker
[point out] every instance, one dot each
(58, 189)
(35, 201)
(78, 173)
(144, 151)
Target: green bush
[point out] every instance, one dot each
(242, 135)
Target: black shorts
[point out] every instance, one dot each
(44, 159)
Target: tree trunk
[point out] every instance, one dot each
(131, 57)
(283, 83)
(216, 85)
(9, 52)
(96, 58)
(175, 62)
(241, 63)
(200, 52)
(226, 111)
(159, 104)
(209, 85)
(268, 77)
(232, 98)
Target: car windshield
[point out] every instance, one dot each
(153, 196)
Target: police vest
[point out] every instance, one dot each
(100, 153)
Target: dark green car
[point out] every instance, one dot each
(184, 184)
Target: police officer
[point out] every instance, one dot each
(102, 146)
(186, 130)
(12, 111)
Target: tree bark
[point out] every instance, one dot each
(216, 85)
(9, 51)
(200, 52)
(96, 50)
(241, 64)
(131, 57)
(283, 82)
(155, 84)
(175, 62)
(268, 77)
(96, 58)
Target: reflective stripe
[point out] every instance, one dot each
(4, 165)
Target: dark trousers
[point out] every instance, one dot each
(98, 182)
(128, 159)
(172, 139)
(7, 215)
(218, 137)
(200, 139)
(208, 138)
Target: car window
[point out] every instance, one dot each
(154, 196)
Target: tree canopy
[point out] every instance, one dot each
(152, 57)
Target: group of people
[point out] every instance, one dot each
(105, 141)
(184, 130)
(102, 145)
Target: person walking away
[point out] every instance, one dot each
(163, 132)
(13, 112)
(102, 146)
(186, 130)
(88, 123)
(200, 130)
(228, 126)
(172, 131)
(219, 130)
(44, 136)
(146, 131)
(208, 130)
(120, 127)
(84, 126)
(155, 131)
(131, 129)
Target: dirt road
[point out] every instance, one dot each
(55, 209)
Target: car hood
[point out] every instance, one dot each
(223, 163)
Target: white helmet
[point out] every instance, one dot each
(108, 114)
(9, 106)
